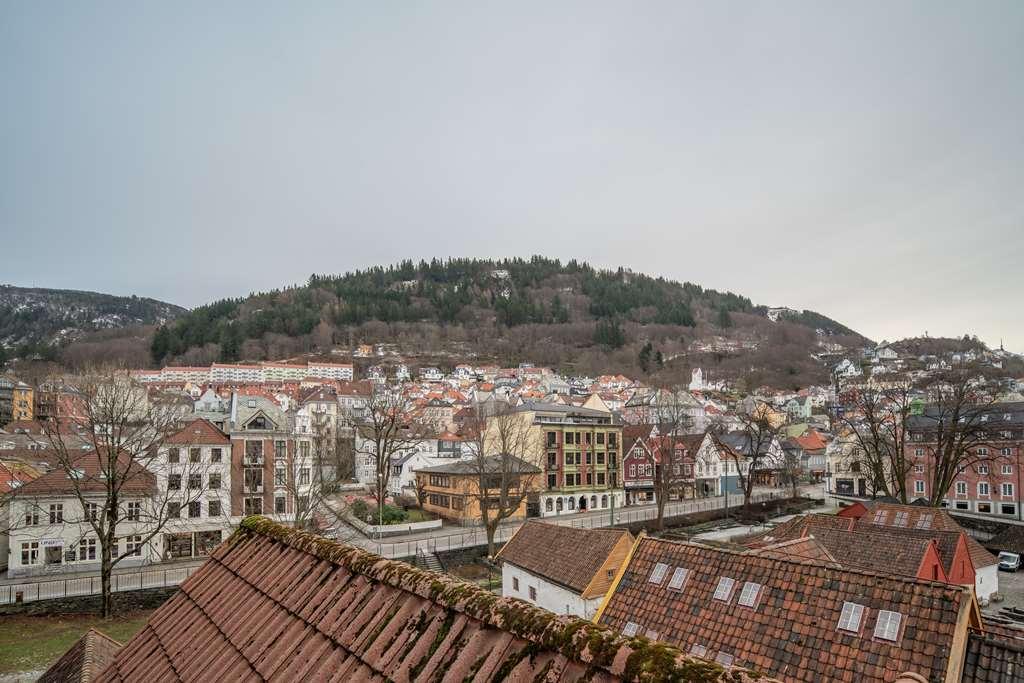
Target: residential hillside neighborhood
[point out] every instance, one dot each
(914, 463)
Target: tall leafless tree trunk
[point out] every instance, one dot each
(673, 421)
(504, 452)
(125, 429)
(877, 424)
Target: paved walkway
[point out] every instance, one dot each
(457, 538)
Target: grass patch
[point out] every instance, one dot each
(33, 643)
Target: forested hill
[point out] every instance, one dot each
(35, 319)
(514, 309)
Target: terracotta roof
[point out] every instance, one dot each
(200, 431)
(564, 555)
(137, 479)
(945, 541)
(989, 659)
(791, 630)
(797, 550)
(798, 527)
(280, 604)
(90, 655)
(860, 546)
(940, 520)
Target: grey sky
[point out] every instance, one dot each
(863, 159)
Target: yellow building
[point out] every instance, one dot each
(22, 400)
(452, 490)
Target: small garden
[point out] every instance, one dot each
(366, 511)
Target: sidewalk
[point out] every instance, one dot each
(95, 572)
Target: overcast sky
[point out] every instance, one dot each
(861, 159)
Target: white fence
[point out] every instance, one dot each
(478, 537)
(90, 585)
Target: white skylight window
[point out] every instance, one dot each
(724, 590)
(880, 517)
(749, 594)
(651, 635)
(901, 519)
(925, 521)
(678, 579)
(658, 573)
(850, 618)
(630, 629)
(888, 625)
(698, 650)
(725, 659)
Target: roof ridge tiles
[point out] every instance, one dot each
(587, 643)
(846, 570)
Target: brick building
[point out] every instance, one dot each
(992, 485)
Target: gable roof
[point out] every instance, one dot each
(492, 463)
(196, 432)
(281, 604)
(791, 632)
(564, 555)
(925, 518)
(136, 478)
(84, 660)
(857, 545)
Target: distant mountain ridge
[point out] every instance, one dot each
(539, 310)
(35, 316)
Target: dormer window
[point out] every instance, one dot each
(651, 635)
(849, 619)
(630, 629)
(888, 625)
(724, 590)
(658, 574)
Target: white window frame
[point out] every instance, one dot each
(852, 617)
(724, 589)
(658, 573)
(887, 625)
(750, 594)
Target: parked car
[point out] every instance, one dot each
(1009, 562)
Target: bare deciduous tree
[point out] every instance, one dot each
(673, 422)
(388, 430)
(124, 430)
(951, 429)
(751, 449)
(877, 425)
(504, 451)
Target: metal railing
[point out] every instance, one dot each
(478, 537)
(90, 585)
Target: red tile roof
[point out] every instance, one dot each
(200, 431)
(915, 516)
(279, 604)
(791, 631)
(564, 555)
(90, 655)
(137, 479)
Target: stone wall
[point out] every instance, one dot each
(127, 601)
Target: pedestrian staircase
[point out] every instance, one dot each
(429, 560)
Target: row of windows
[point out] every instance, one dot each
(556, 504)
(571, 479)
(984, 488)
(981, 450)
(194, 509)
(443, 501)
(195, 481)
(580, 458)
(194, 455)
(85, 551)
(983, 506)
(90, 512)
(583, 438)
(254, 506)
(254, 449)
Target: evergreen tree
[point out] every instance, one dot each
(659, 360)
(645, 357)
(724, 319)
(609, 333)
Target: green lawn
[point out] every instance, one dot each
(29, 643)
(416, 515)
